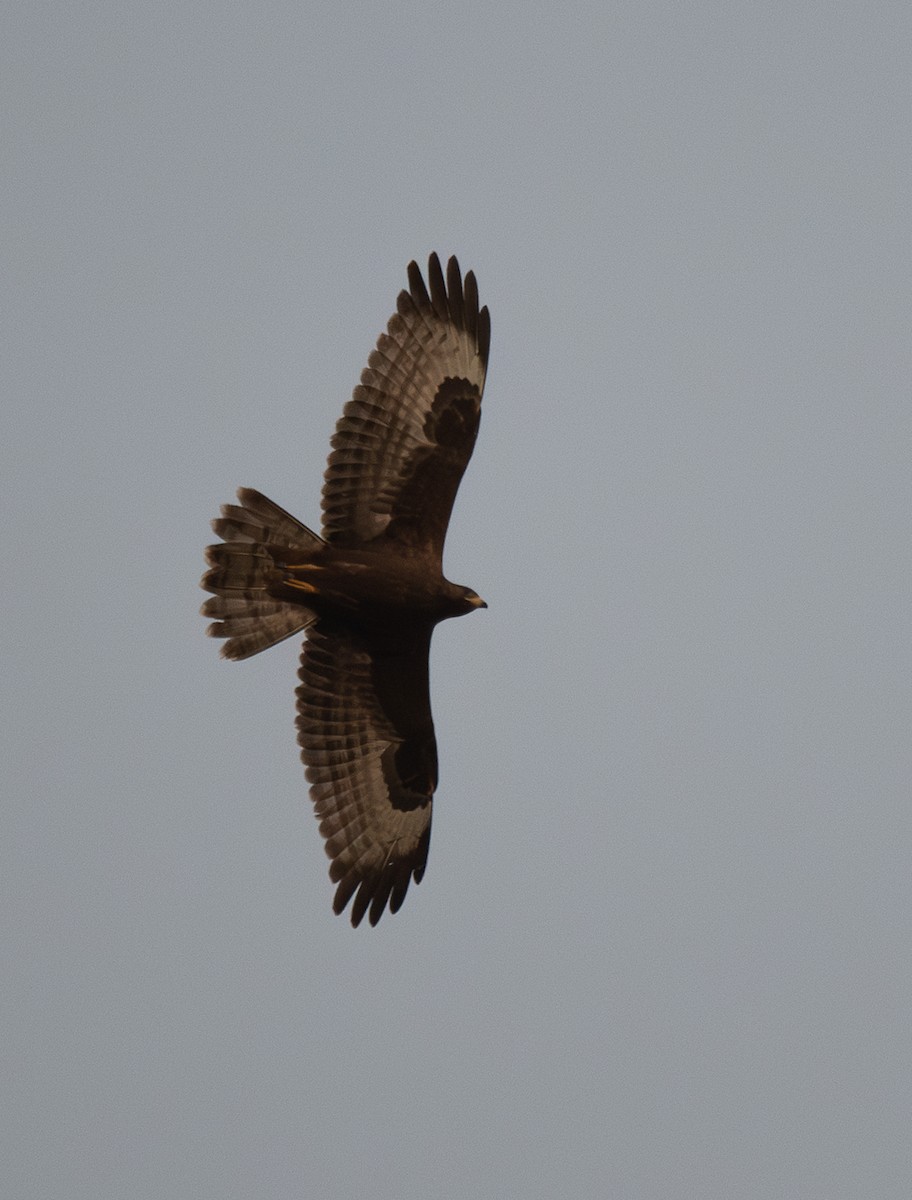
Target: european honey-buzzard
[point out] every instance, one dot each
(369, 591)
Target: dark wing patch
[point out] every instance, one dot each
(406, 436)
(367, 738)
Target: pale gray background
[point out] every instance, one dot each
(662, 949)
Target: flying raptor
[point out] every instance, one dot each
(369, 590)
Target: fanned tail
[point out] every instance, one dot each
(244, 567)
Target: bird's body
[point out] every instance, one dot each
(364, 589)
(370, 590)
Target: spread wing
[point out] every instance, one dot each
(364, 724)
(405, 437)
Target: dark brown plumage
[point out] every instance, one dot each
(369, 592)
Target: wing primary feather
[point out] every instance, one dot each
(381, 894)
(483, 335)
(416, 287)
(470, 305)
(454, 293)
(344, 892)
(438, 287)
(362, 901)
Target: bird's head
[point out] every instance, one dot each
(459, 600)
(472, 599)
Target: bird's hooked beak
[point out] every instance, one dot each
(477, 602)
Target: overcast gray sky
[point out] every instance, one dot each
(662, 948)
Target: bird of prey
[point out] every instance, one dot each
(368, 592)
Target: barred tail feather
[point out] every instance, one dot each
(242, 570)
(258, 519)
(273, 621)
